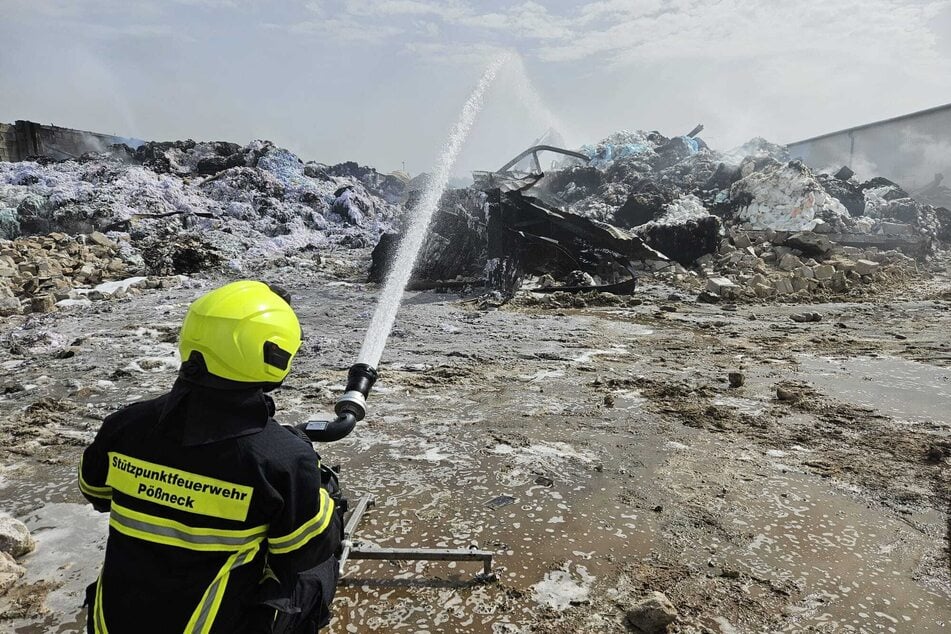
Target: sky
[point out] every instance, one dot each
(381, 82)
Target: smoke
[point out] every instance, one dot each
(932, 152)
(910, 155)
(908, 151)
(862, 164)
(92, 143)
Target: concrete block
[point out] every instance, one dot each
(844, 265)
(42, 304)
(720, 285)
(783, 286)
(15, 538)
(800, 284)
(749, 262)
(866, 267)
(9, 306)
(823, 272)
(741, 240)
(789, 262)
(88, 272)
(10, 572)
(839, 281)
(897, 229)
(101, 239)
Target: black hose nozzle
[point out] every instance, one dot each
(350, 408)
(354, 400)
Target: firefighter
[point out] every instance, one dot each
(220, 519)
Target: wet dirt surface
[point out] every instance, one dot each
(813, 498)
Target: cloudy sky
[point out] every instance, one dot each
(382, 81)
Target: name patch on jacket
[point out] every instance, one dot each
(178, 489)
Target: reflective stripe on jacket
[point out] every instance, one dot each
(199, 518)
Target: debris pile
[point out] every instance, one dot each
(37, 272)
(803, 266)
(745, 223)
(754, 186)
(175, 208)
(455, 249)
(258, 193)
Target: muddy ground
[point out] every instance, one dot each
(815, 497)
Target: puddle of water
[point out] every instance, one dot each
(855, 566)
(903, 389)
(431, 465)
(563, 531)
(62, 560)
(70, 539)
(541, 376)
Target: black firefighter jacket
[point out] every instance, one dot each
(219, 520)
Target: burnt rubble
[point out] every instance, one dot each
(749, 223)
(455, 250)
(169, 208)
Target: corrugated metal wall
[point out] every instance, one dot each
(909, 149)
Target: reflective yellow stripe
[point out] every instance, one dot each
(307, 531)
(104, 493)
(170, 533)
(243, 545)
(177, 489)
(204, 615)
(99, 618)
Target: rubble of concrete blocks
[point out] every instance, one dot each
(769, 265)
(37, 272)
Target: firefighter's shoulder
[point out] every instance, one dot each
(280, 447)
(140, 412)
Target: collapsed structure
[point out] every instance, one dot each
(745, 223)
(749, 222)
(172, 208)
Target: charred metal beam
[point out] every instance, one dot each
(535, 149)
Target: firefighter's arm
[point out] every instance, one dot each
(94, 468)
(302, 544)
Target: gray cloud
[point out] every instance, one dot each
(380, 81)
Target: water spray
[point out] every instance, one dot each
(351, 407)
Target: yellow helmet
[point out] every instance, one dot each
(244, 332)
